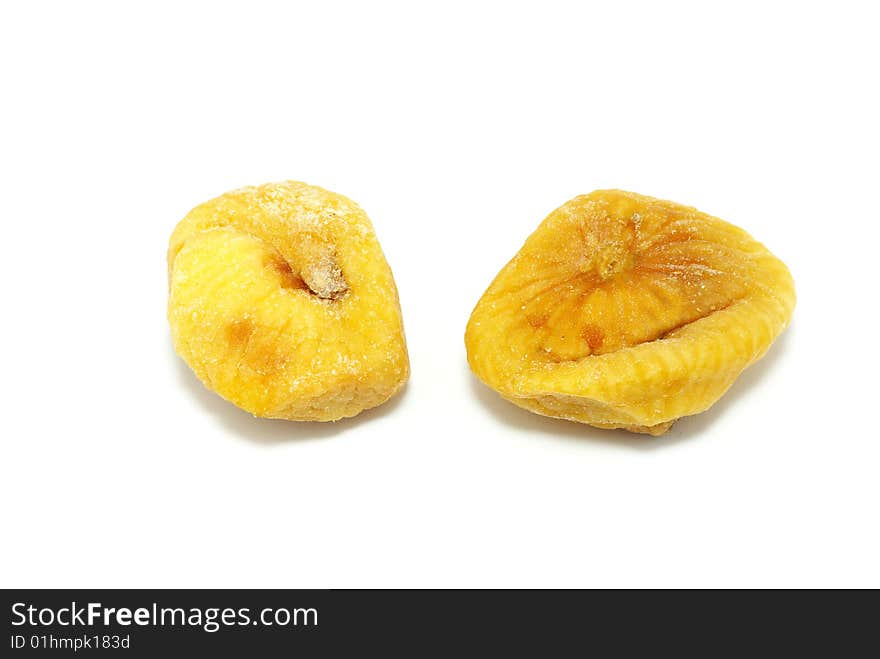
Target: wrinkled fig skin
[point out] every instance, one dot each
(625, 311)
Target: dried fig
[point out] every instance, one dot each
(625, 311)
(282, 302)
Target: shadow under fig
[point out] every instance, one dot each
(683, 429)
(692, 426)
(271, 431)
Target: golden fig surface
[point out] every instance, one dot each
(625, 311)
(282, 302)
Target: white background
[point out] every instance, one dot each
(457, 127)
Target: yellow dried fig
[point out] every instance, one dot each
(625, 311)
(281, 301)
